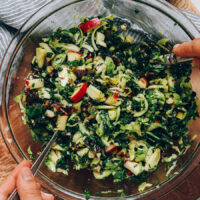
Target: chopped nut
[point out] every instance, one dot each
(180, 115)
(54, 144)
(112, 48)
(97, 169)
(123, 27)
(49, 69)
(45, 134)
(88, 118)
(114, 28)
(129, 39)
(170, 101)
(98, 155)
(91, 154)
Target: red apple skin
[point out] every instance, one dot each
(121, 153)
(144, 81)
(79, 94)
(75, 52)
(129, 173)
(51, 117)
(111, 148)
(27, 82)
(128, 161)
(67, 135)
(50, 59)
(89, 25)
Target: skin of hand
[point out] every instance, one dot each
(189, 49)
(23, 179)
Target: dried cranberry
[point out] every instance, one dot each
(116, 60)
(90, 55)
(69, 110)
(57, 106)
(35, 73)
(31, 96)
(79, 72)
(150, 76)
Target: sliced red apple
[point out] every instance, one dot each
(57, 106)
(122, 152)
(115, 95)
(68, 135)
(111, 148)
(113, 100)
(143, 83)
(72, 55)
(50, 114)
(34, 83)
(89, 25)
(130, 164)
(94, 93)
(79, 92)
(61, 122)
(134, 167)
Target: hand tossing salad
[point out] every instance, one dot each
(117, 113)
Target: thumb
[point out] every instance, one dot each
(26, 185)
(188, 49)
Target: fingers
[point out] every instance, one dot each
(38, 186)
(27, 186)
(9, 184)
(188, 49)
(46, 196)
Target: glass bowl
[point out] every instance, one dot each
(156, 18)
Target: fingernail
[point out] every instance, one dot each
(38, 186)
(176, 46)
(47, 195)
(27, 174)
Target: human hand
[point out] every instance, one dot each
(23, 179)
(189, 49)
